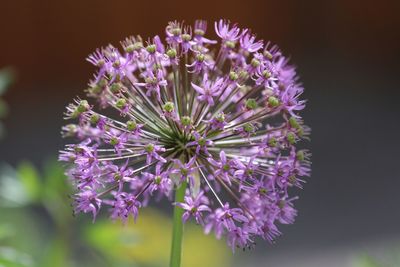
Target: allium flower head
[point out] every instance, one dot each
(221, 116)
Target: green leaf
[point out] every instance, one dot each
(29, 178)
(3, 108)
(367, 261)
(7, 76)
(10, 257)
(12, 192)
(54, 176)
(55, 192)
(6, 230)
(56, 254)
(29, 231)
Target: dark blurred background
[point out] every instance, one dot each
(347, 53)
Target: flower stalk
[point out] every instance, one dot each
(177, 230)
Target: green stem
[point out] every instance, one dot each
(177, 231)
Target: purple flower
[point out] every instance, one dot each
(185, 171)
(99, 60)
(286, 212)
(224, 219)
(199, 64)
(160, 181)
(247, 130)
(266, 75)
(174, 33)
(248, 43)
(67, 156)
(223, 30)
(117, 142)
(194, 207)
(290, 100)
(116, 63)
(200, 142)
(123, 205)
(271, 52)
(120, 175)
(135, 129)
(245, 171)
(87, 201)
(220, 117)
(186, 40)
(86, 157)
(200, 27)
(224, 168)
(269, 231)
(153, 83)
(218, 122)
(151, 151)
(239, 237)
(209, 90)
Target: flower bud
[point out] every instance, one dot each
(255, 63)
(230, 44)
(292, 179)
(186, 37)
(94, 119)
(102, 83)
(233, 76)
(121, 103)
(291, 138)
(131, 125)
(243, 75)
(176, 31)
(95, 90)
(83, 106)
(220, 117)
(294, 123)
(267, 54)
(70, 130)
(248, 128)
(117, 177)
(130, 48)
(100, 63)
(267, 74)
(115, 88)
(202, 141)
(149, 148)
(137, 46)
(151, 49)
(273, 102)
(300, 155)
(114, 141)
(199, 32)
(272, 142)
(168, 107)
(200, 57)
(157, 179)
(186, 121)
(116, 63)
(251, 104)
(171, 53)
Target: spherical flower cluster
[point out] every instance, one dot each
(219, 117)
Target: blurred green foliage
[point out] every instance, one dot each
(388, 259)
(7, 76)
(367, 261)
(37, 229)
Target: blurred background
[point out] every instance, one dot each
(347, 53)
